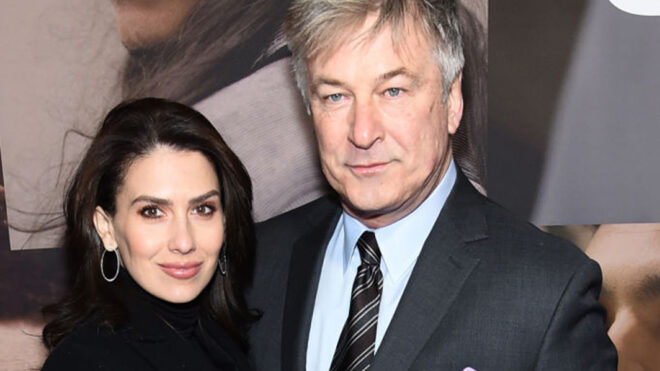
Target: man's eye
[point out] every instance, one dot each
(393, 92)
(334, 97)
(204, 210)
(151, 212)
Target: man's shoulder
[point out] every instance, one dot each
(497, 232)
(521, 242)
(300, 218)
(276, 237)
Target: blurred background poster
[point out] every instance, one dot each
(574, 127)
(574, 119)
(56, 77)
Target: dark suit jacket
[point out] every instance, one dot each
(488, 291)
(146, 343)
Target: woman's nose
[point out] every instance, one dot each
(182, 240)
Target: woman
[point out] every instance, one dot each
(160, 238)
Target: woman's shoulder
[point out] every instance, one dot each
(88, 347)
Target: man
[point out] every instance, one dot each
(408, 267)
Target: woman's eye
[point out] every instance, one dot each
(151, 212)
(204, 210)
(393, 92)
(334, 97)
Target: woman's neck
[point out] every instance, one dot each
(181, 317)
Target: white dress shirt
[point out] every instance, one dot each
(400, 244)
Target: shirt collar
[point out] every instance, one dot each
(401, 242)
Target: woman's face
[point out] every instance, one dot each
(168, 223)
(629, 255)
(146, 22)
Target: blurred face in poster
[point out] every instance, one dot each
(145, 22)
(629, 255)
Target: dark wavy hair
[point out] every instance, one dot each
(469, 141)
(218, 43)
(131, 130)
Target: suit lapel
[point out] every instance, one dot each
(442, 268)
(304, 273)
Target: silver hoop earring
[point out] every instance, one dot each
(114, 277)
(222, 262)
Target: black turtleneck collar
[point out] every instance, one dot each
(181, 318)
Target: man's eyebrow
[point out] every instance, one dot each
(402, 71)
(649, 288)
(325, 81)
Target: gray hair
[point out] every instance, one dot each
(313, 26)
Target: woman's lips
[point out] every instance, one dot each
(181, 270)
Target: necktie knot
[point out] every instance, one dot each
(368, 247)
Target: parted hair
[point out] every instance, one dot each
(316, 26)
(130, 131)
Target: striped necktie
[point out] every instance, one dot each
(356, 346)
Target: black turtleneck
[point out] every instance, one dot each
(180, 317)
(153, 335)
(152, 319)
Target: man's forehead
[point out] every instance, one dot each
(360, 35)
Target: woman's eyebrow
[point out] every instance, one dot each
(152, 200)
(164, 201)
(205, 196)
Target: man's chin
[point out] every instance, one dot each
(370, 212)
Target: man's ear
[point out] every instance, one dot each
(105, 229)
(455, 105)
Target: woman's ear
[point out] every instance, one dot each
(105, 229)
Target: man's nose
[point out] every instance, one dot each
(366, 125)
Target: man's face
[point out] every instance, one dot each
(382, 127)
